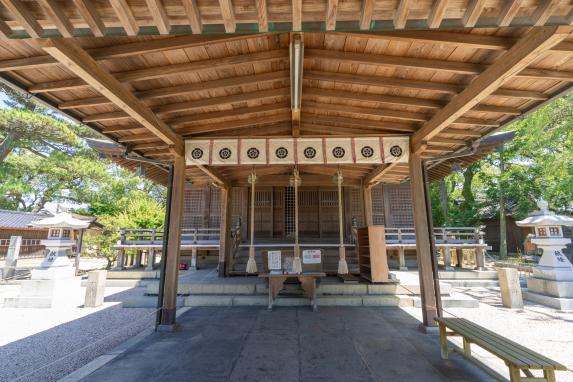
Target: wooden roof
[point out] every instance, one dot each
(444, 88)
(37, 18)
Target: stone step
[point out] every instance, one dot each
(255, 300)
(472, 283)
(467, 274)
(455, 300)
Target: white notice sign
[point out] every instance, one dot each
(274, 260)
(311, 256)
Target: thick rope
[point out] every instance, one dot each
(296, 263)
(251, 263)
(342, 264)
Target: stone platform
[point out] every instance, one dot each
(204, 288)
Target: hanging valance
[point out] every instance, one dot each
(262, 151)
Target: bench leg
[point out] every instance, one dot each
(549, 375)
(443, 341)
(467, 349)
(514, 374)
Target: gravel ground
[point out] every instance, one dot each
(47, 344)
(540, 328)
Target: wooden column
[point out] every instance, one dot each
(367, 195)
(423, 241)
(225, 235)
(174, 243)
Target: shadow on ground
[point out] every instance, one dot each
(289, 344)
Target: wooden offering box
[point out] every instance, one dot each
(372, 258)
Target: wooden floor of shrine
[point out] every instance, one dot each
(289, 344)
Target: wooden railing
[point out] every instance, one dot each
(442, 235)
(29, 248)
(189, 236)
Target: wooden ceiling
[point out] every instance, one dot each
(444, 88)
(48, 18)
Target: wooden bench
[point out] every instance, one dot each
(517, 357)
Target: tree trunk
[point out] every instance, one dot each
(443, 190)
(8, 145)
(502, 223)
(467, 193)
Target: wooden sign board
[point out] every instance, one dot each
(274, 260)
(311, 256)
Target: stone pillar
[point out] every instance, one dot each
(510, 288)
(480, 258)
(194, 258)
(423, 242)
(448, 259)
(150, 259)
(402, 259)
(460, 256)
(138, 256)
(225, 230)
(120, 260)
(95, 289)
(171, 258)
(12, 257)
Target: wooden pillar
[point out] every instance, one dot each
(423, 241)
(174, 243)
(225, 235)
(367, 195)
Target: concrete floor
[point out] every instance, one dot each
(289, 344)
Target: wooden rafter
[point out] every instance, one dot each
(401, 14)
(5, 30)
(58, 16)
(24, 17)
(366, 14)
(193, 15)
(84, 66)
(508, 12)
(536, 41)
(473, 12)
(437, 13)
(125, 16)
(332, 8)
(263, 16)
(160, 18)
(228, 15)
(233, 125)
(91, 16)
(378, 173)
(542, 13)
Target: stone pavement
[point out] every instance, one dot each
(289, 344)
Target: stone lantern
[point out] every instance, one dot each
(53, 283)
(552, 280)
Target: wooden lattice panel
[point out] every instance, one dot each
(378, 212)
(193, 208)
(328, 212)
(400, 205)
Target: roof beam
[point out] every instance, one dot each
(379, 172)
(91, 16)
(159, 15)
(233, 125)
(366, 14)
(24, 17)
(125, 16)
(5, 30)
(58, 16)
(473, 12)
(213, 174)
(263, 16)
(533, 43)
(193, 15)
(243, 112)
(75, 59)
(401, 14)
(437, 13)
(361, 123)
(332, 8)
(228, 15)
(508, 12)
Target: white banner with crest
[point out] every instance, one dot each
(262, 151)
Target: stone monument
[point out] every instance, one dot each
(54, 282)
(552, 280)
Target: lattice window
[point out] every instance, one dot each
(289, 211)
(377, 195)
(401, 210)
(329, 212)
(263, 212)
(193, 208)
(356, 206)
(329, 198)
(236, 205)
(278, 211)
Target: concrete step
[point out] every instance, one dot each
(467, 274)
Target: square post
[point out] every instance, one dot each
(173, 250)
(225, 230)
(423, 241)
(367, 196)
